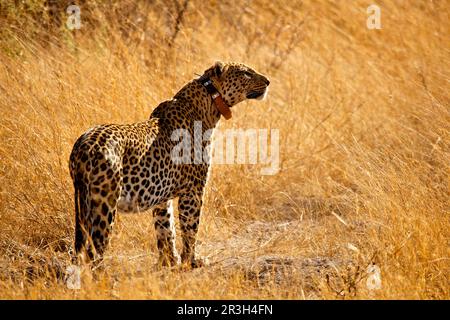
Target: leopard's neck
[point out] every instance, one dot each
(200, 103)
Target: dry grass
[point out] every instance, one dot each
(364, 131)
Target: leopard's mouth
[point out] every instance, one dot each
(257, 94)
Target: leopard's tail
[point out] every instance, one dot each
(82, 229)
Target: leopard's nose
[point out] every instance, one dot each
(266, 81)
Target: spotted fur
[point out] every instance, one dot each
(129, 167)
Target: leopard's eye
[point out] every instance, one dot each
(247, 74)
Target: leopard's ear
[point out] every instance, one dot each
(218, 68)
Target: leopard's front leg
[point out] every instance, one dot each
(189, 207)
(165, 234)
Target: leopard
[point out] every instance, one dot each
(131, 168)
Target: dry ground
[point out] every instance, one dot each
(364, 144)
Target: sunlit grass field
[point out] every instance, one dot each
(363, 117)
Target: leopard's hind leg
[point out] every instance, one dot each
(96, 207)
(104, 201)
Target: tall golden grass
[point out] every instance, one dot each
(364, 145)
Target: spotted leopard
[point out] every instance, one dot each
(130, 167)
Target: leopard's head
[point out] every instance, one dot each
(237, 82)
